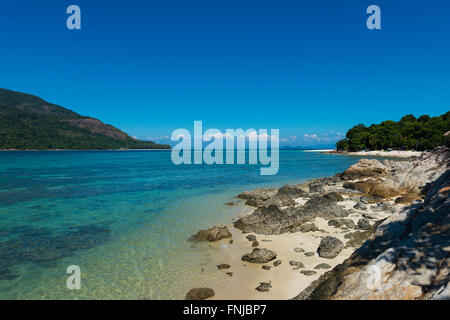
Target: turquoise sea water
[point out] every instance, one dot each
(123, 217)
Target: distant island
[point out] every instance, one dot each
(410, 133)
(29, 123)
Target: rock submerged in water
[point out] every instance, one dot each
(213, 234)
(200, 294)
(330, 247)
(259, 256)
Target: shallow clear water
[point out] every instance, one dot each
(123, 217)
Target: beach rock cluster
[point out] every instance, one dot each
(407, 255)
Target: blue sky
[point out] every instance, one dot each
(306, 67)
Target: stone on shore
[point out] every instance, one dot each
(264, 286)
(308, 272)
(277, 263)
(213, 234)
(200, 294)
(307, 227)
(259, 256)
(364, 168)
(364, 224)
(323, 266)
(330, 247)
(296, 264)
(342, 222)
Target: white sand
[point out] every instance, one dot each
(382, 153)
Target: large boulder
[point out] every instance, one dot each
(330, 247)
(272, 220)
(199, 294)
(259, 256)
(364, 168)
(215, 233)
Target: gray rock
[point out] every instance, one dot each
(342, 222)
(277, 263)
(380, 207)
(370, 215)
(285, 196)
(298, 250)
(323, 266)
(296, 264)
(333, 196)
(258, 196)
(259, 256)
(255, 243)
(308, 272)
(213, 234)
(308, 227)
(264, 286)
(223, 266)
(364, 224)
(309, 254)
(251, 237)
(265, 267)
(330, 247)
(360, 206)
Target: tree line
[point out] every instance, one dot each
(410, 133)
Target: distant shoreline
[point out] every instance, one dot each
(56, 150)
(379, 153)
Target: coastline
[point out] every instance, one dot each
(362, 212)
(77, 150)
(379, 153)
(286, 281)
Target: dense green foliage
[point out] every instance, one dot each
(410, 133)
(28, 122)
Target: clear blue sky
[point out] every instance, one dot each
(305, 67)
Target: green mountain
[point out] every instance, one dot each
(28, 122)
(411, 133)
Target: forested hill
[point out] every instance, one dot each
(410, 133)
(28, 122)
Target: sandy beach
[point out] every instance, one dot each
(298, 233)
(286, 280)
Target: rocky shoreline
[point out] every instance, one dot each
(381, 227)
